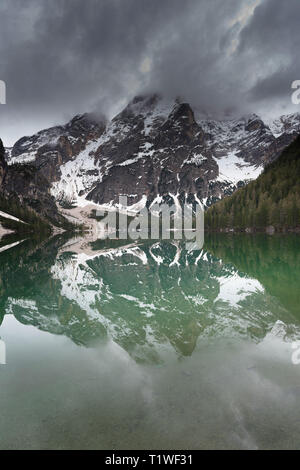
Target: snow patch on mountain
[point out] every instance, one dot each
(30, 145)
(24, 158)
(77, 175)
(233, 169)
(194, 160)
(288, 123)
(11, 217)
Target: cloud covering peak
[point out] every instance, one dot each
(61, 57)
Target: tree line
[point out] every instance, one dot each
(272, 199)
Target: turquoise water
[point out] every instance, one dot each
(149, 346)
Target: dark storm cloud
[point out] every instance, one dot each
(271, 40)
(60, 57)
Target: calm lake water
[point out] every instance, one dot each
(149, 346)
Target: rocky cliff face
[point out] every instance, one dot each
(3, 164)
(31, 189)
(27, 187)
(153, 150)
(49, 149)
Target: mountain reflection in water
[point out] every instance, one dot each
(154, 298)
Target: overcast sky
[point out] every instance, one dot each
(63, 57)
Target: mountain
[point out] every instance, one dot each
(272, 200)
(155, 149)
(25, 200)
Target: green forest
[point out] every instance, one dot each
(271, 200)
(33, 223)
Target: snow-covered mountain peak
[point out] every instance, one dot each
(155, 147)
(286, 124)
(72, 136)
(250, 117)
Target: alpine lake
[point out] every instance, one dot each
(149, 346)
